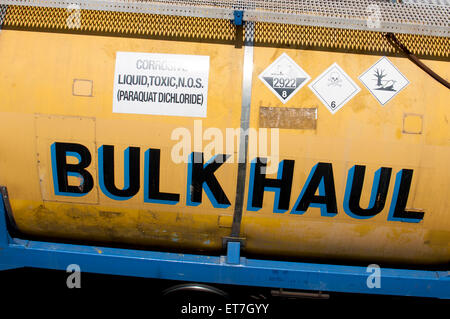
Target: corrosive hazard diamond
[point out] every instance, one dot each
(284, 77)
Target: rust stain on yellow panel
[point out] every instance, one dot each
(225, 221)
(288, 117)
(437, 238)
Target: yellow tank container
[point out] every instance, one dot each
(365, 178)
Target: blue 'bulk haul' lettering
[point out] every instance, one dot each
(318, 190)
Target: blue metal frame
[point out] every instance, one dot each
(230, 269)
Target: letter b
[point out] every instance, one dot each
(62, 170)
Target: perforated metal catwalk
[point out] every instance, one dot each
(223, 30)
(413, 17)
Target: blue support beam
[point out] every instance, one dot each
(230, 269)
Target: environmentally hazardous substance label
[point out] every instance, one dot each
(161, 84)
(334, 88)
(284, 77)
(384, 80)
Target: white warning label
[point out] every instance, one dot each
(384, 80)
(334, 88)
(284, 77)
(161, 84)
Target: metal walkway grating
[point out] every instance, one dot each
(412, 17)
(171, 27)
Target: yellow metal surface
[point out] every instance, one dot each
(38, 107)
(37, 73)
(364, 133)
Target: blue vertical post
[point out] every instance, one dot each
(233, 252)
(5, 238)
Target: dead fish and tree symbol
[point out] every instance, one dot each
(383, 85)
